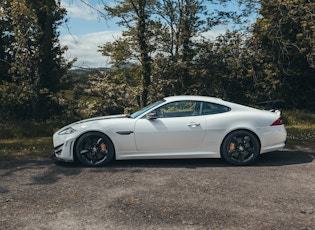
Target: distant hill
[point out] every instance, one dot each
(81, 75)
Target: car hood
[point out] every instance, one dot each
(85, 123)
(100, 118)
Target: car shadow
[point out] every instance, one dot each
(277, 158)
(284, 157)
(51, 172)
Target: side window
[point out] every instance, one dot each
(211, 108)
(179, 109)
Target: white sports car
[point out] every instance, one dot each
(175, 127)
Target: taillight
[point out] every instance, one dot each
(277, 122)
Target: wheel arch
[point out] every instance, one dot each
(75, 158)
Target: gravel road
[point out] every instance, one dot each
(277, 192)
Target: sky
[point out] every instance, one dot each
(85, 31)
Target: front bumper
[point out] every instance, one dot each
(63, 147)
(57, 159)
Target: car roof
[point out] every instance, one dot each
(232, 105)
(192, 98)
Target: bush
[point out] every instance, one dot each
(28, 129)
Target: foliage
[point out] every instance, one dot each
(31, 57)
(164, 50)
(223, 70)
(29, 129)
(285, 41)
(114, 92)
(160, 38)
(135, 16)
(274, 61)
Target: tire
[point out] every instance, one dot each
(240, 148)
(94, 149)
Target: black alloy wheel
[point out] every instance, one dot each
(94, 149)
(240, 148)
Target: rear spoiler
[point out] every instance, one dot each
(273, 105)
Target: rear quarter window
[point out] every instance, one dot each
(212, 108)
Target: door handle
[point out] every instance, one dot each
(193, 124)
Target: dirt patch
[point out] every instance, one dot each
(277, 192)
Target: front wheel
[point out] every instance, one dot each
(94, 149)
(240, 148)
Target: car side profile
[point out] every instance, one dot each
(173, 128)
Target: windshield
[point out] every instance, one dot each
(145, 109)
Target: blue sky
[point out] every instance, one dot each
(86, 30)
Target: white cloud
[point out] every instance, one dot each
(77, 9)
(85, 48)
(215, 32)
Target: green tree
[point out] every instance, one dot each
(31, 53)
(4, 41)
(134, 46)
(285, 38)
(51, 65)
(163, 38)
(275, 61)
(18, 87)
(49, 16)
(180, 22)
(224, 69)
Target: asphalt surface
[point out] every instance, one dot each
(276, 192)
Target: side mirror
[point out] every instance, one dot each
(152, 115)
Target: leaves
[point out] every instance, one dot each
(286, 40)
(163, 51)
(31, 56)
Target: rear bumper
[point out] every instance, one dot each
(273, 138)
(272, 148)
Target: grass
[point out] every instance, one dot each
(298, 118)
(24, 147)
(35, 139)
(29, 129)
(300, 126)
(27, 138)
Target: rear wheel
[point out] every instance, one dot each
(240, 148)
(94, 149)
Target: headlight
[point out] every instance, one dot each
(66, 131)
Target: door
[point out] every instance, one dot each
(177, 128)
